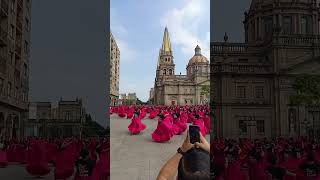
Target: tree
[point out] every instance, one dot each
(205, 90)
(307, 89)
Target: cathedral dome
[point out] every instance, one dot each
(198, 58)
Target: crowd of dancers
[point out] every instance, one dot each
(172, 120)
(71, 158)
(265, 159)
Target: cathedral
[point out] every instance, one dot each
(252, 82)
(172, 89)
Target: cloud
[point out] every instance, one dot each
(120, 33)
(127, 54)
(189, 25)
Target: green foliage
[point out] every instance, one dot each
(93, 129)
(307, 89)
(205, 90)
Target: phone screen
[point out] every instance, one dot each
(194, 134)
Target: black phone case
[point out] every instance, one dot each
(194, 134)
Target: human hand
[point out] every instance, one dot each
(186, 146)
(203, 144)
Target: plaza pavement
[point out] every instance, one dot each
(137, 157)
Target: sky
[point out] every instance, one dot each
(228, 16)
(68, 53)
(138, 28)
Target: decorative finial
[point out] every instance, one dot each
(225, 37)
(197, 50)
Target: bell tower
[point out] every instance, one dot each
(165, 65)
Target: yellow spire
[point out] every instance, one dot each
(166, 45)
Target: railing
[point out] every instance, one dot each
(238, 48)
(233, 48)
(20, 3)
(236, 68)
(5, 6)
(298, 40)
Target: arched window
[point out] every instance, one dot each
(165, 72)
(170, 71)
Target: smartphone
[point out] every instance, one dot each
(194, 133)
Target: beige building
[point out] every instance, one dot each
(15, 26)
(128, 99)
(151, 95)
(64, 120)
(252, 81)
(171, 89)
(114, 71)
(132, 96)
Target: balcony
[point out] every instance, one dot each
(3, 37)
(298, 40)
(4, 8)
(233, 48)
(20, 3)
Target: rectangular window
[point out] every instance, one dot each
(268, 25)
(243, 60)
(25, 69)
(26, 46)
(259, 92)
(305, 25)
(243, 126)
(260, 126)
(11, 31)
(68, 115)
(17, 93)
(287, 25)
(12, 58)
(9, 89)
(253, 27)
(241, 91)
(27, 25)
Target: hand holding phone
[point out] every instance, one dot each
(194, 132)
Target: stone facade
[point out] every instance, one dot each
(114, 71)
(252, 81)
(65, 120)
(15, 27)
(171, 89)
(128, 99)
(151, 95)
